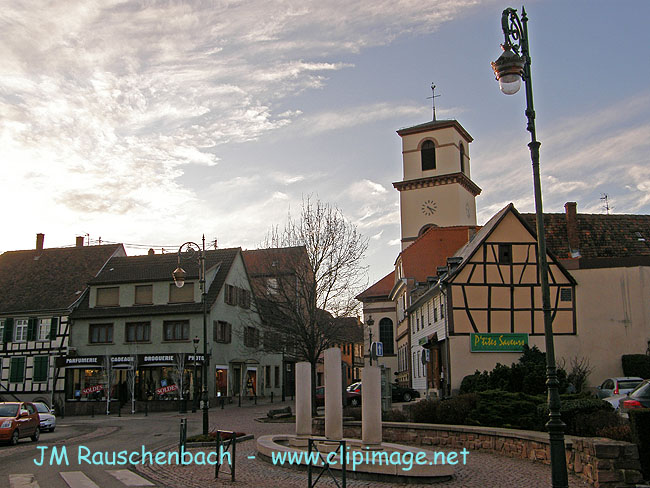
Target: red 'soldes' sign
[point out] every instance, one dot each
(92, 389)
(166, 389)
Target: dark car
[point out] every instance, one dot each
(353, 398)
(638, 398)
(18, 420)
(403, 394)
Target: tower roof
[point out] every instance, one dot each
(434, 125)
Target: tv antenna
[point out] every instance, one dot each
(605, 199)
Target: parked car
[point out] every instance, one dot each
(403, 394)
(638, 398)
(18, 420)
(46, 414)
(353, 398)
(615, 401)
(617, 386)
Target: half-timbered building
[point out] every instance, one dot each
(39, 288)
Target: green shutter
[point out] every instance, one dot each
(9, 330)
(17, 370)
(41, 364)
(31, 329)
(54, 328)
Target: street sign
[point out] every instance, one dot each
(379, 349)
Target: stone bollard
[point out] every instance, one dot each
(333, 395)
(371, 434)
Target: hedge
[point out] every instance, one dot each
(640, 423)
(636, 365)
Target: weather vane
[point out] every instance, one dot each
(433, 100)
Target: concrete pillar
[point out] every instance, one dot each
(303, 399)
(333, 395)
(371, 406)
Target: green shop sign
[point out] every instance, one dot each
(498, 342)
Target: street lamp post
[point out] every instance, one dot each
(370, 323)
(188, 251)
(510, 69)
(196, 344)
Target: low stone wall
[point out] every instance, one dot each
(602, 462)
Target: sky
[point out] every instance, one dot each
(153, 122)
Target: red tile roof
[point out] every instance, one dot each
(600, 235)
(432, 249)
(380, 289)
(272, 261)
(49, 279)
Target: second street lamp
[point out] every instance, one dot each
(188, 251)
(510, 69)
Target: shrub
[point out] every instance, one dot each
(528, 375)
(577, 415)
(580, 371)
(394, 415)
(620, 432)
(453, 411)
(497, 408)
(640, 424)
(353, 412)
(636, 365)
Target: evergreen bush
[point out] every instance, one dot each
(640, 425)
(636, 365)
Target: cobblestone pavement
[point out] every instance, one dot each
(483, 470)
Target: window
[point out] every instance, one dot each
(44, 328)
(428, 153)
(230, 295)
(386, 335)
(41, 366)
(442, 310)
(17, 370)
(505, 253)
(108, 297)
(244, 298)
(100, 333)
(272, 286)
(181, 295)
(222, 331)
(277, 376)
(462, 157)
(176, 330)
(251, 337)
(2, 331)
(435, 313)
(138, 332)
(565, 294)
(144, 294)
(20, 330)
(267, 376)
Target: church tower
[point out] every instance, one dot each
(436, 189)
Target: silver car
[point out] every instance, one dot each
(48, 420)
(617, 386)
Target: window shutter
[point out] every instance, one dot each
(228, 332)
(40, 368)
(31, 329)
(17, 370)
(54, 328)
(9, 330)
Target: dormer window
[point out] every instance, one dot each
(428, 153)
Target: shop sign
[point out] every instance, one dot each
(92, 389)
(158, 358)
(498, 342)
(166, 389)
(79, 361)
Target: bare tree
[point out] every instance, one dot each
(109, 379)
(179, 372)
(131, 377)
(306, 278)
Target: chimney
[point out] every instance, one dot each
(40, 239)
(80, 241)
(572, 228)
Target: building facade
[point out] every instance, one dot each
(39, 289)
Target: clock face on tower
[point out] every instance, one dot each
(429, 207)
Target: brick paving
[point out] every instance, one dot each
(483, 470)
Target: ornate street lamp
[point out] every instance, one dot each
(190, 250)
(370, 322)
(195, 341)
(510, 69)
